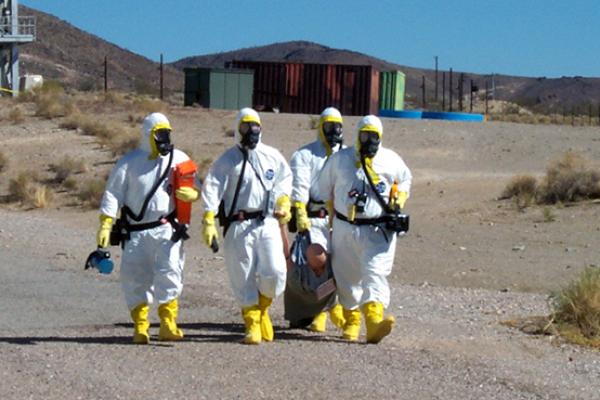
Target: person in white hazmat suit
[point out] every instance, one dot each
(359, 179)
(312, 215)
(152, 263)
(253, 181)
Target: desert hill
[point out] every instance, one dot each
(76, 58)
(68, 54)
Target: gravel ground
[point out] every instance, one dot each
(469, 263)
(65, 333)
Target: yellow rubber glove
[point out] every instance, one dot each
(402, 197)
(187, 193)
(209, 230)
(282, 209)
(302, 220)
(103, 235)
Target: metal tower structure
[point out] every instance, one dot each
(14, 31)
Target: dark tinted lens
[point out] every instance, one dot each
(332, 127)
(162, 135)
(370, 136)
(246, 127)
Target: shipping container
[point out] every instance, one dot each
(391, 90)
(229, 89)
(309, 88)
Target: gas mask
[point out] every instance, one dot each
(250, 132)
(369, 143)
(333, 133)
(162, 138)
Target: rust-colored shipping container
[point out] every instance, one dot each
(309, 88)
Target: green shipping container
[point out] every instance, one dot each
(229, 89)
(391, 90)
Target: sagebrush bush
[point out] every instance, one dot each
(91, 193)
(522, 189)
(42, 196)
(20, 188)
(569, 179)
(147, 105)
(67, 166)
(576, 308)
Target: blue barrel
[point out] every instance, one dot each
(410, 114)
(453, 116)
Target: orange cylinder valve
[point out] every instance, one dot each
(185, 175)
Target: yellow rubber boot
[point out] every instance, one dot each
(266, 327)
(140, 324)
(168, 326)
(252, 321)
(319, 323)
(352, 326)
(336, 314)
(377, 326)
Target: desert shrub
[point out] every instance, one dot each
(21, 188)
(42, 196)
(91, 193)
(125, 144)
(570, 179)
(576, 308)
(16, 115)
(522, 189)
(72, 121)
(147, 105)
(66, 167)
(3, 162)
(70, 183)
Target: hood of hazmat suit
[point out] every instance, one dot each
(367, 143)
(333, 138)
(250, 138)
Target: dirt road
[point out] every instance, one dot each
(469, 262)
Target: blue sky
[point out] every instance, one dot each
(527, 37)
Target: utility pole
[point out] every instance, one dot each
(436, 79)
(423, 88)
(461, 93)
(450, 94)
(161, 76)
(444, 91)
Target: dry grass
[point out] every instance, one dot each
(577, 309)
(148, 105)
(3, 162)
(26, 190)
(522, 189)
(42, 196)
(66, 167)
(91, 193)
(569, 179)
(16, 116)
(572, 178)
(20, 189)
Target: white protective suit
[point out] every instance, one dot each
(152, 264)
(306, 164)
(362, 258)
(253, 248)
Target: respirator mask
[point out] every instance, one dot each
(333, 133)
(162, 138)
(250, 132)
(369, 143)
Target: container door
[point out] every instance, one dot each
(348, 93)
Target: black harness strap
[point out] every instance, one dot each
(227, 219)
